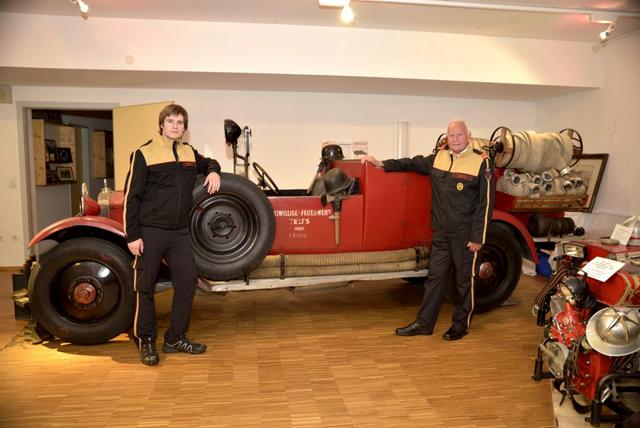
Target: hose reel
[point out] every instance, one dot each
(537, 152)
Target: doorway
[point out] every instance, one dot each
(64, 148)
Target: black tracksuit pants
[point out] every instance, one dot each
(175, 247)
(446, 251)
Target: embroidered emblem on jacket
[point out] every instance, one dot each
(463, 177)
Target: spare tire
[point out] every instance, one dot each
(231, 230)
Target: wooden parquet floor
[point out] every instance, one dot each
(325, 357)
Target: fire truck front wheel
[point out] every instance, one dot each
(81, 291)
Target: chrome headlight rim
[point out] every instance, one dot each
(84, 193)
(576, 251)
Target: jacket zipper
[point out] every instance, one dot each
(175, 155)
(448, 183)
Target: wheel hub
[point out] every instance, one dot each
(221, 225)
(85, 293)
(486, 270)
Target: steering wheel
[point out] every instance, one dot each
(264, 179)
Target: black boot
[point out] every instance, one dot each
(148, 353)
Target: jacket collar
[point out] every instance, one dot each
(164, 141)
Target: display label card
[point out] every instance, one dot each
(602, 269)
(622, 234)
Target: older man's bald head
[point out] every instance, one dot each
(458, 122)
(457, 135)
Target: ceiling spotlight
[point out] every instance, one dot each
(347, 16)
(333, 3)
(82, 6)
(604, 35)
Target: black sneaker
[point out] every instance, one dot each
(148, 353)
(183, 345)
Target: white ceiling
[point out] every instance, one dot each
(370, 14)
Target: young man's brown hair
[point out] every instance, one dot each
(173, 110)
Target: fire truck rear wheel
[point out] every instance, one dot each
(500, 264)
(231, 230)
(81, 291)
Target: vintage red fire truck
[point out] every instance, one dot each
(354, 222)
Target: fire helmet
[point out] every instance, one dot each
(335, 181)
(634, 224)
(615, 331)
(576, 289)
(332, 152)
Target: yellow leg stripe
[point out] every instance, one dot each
(486, 211)
(135, 318)
(473, 284)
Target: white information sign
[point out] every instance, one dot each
(602, 269)
(353, 150)
(622, 234)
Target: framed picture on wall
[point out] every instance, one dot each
(50, 146)
(590, 167)
(65, 173)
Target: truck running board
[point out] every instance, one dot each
(304, 281)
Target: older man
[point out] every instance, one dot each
(462, 200)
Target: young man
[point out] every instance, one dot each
(158, 199)
(462, 200)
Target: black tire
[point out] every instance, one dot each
(502, 255)
(232, 230)
(82, 291)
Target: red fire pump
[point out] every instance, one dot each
(592, 337)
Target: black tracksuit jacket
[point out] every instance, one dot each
(159, 185)
(462, 189)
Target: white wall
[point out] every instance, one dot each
(607, 119)
(219, 47)
(288, 128)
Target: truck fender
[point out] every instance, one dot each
(505, 217)
(91, 222)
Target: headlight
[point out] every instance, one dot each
(574, 250)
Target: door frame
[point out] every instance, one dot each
(25, 148)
